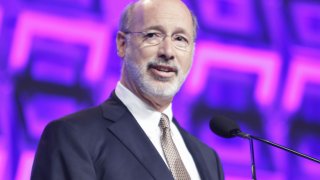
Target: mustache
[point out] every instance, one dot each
(160, 62)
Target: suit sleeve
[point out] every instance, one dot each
(62, 155)
(219, 166)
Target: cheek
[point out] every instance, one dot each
(140, 55)
(132, 55)
(188, 66)
(146, 54)
(186, 63)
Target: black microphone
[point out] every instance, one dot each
(228, 128)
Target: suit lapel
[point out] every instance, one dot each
(195, 152)
(131, 135)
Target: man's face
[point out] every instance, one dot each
(159, 69)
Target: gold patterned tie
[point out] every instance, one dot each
(171, 153)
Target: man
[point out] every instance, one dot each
(133, 134)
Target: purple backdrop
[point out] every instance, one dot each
(257, 61)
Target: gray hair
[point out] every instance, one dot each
(127, 12)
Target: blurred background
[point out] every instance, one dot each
(257, 62)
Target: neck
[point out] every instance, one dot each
(159, 103)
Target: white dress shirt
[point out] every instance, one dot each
(148, 118)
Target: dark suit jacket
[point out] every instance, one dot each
(107, 143)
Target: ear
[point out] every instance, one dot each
(121, 44)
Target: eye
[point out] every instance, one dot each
(180, 38)
(152, 35)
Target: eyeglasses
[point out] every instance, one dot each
(155, 38)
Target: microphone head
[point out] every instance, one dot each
(224, 127)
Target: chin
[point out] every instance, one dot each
(160, 89)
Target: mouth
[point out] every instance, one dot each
(163, 71)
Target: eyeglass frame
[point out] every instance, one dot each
(162, 37)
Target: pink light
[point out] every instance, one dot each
(113, 11)
(302, 71)
(3, 162)
(31, 24)
(25, 165)
(1, 16)
(266, 64)
(310, 168)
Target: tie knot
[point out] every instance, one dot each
(164, 121)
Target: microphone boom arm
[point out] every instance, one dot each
(248, 136)
(286, 149)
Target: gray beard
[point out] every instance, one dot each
(147, 83)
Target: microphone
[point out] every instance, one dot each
(228, 128)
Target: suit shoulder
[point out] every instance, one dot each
(88, 122)
(85, 114)
(87, 118)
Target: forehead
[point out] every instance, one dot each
(171, 15)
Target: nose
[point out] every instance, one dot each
(166, 49)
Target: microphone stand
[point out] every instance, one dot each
(253, 164)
